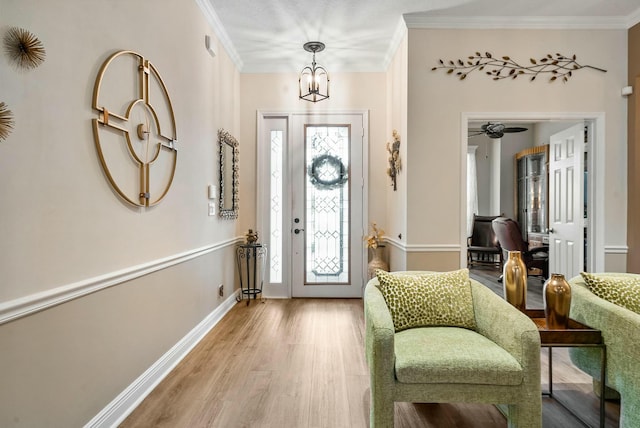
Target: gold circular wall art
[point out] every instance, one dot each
(135, 128)
(24, 48)
(6, 121)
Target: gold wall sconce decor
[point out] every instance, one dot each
(395, 164)
(557, 67)
(24, 48)
(135, 129)
(6, 121)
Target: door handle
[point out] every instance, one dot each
(296, 230)
(552, 231)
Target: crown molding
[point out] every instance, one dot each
(218, 28)
(520, 22)
(633, 18)
(401, 30)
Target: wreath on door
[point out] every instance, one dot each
(327, 172)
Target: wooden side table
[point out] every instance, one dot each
(577, 335)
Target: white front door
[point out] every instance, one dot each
(566, 202)
(311, 203)
(327, 205)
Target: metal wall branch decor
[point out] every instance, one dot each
(558, 67)
(395, 165)
(6, 121)
(24, 48)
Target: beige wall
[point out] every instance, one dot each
(633, 150)
(62, 225)
(432, 260)
(437, 101)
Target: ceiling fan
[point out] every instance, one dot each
(494, 130)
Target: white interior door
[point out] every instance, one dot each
(566, 202)
(326, 175)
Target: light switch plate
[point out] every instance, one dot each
(212, 208)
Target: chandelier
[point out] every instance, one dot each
(314, 79)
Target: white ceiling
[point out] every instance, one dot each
(362, 35)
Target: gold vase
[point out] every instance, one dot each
(377, 261)
(557, 302)
(514, 280)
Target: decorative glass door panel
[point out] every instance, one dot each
(327, 254)
(276, 137)
(327, 210)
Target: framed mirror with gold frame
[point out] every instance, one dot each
(228, 170)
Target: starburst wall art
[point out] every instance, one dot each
(6, 121)
(24, 48)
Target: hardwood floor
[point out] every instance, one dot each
(300, 363)
(282, 363)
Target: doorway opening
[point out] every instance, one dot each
(501, 199)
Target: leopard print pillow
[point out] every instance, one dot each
(619, 289)
(428, 299)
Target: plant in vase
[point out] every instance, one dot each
(374, 238)
(376, 248)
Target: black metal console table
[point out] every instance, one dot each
(251, 260)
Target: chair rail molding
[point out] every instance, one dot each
(616, 249)
(423, 248)
(23, 306)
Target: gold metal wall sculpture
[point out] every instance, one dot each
(24, 48)
(395, 164)
(6, 121)
(135, 131)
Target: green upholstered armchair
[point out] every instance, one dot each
(498, 363)
(620, 329)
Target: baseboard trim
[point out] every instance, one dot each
(126, 402)
(27, 305)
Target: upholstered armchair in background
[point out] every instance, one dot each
(496, 362)
(510, 237)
